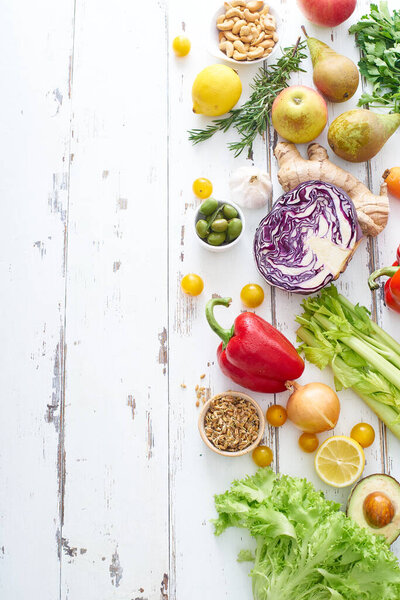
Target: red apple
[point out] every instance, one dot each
(299, 114)
(327, 13)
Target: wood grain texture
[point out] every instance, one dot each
(116, 494)
(107, 489)
(35, 69)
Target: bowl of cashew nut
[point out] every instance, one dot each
(244, 32)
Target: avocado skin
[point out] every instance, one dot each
(360, 491)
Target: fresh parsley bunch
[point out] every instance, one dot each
(378, 37)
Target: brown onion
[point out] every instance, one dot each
(313, 408)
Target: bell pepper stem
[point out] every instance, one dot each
(224, 334)
(388, 271)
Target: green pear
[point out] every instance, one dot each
(335, 75)
(358, 135)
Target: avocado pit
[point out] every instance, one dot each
(378, 510)
(374, 503)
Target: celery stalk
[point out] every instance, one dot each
(366, 351)
(385, 413)
(385, 337)
(335, 332)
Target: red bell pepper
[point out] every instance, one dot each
(392, 285)
(254, 354)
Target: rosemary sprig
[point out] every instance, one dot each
(252, 117)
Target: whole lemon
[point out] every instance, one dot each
(216, 90)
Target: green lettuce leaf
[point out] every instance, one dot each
(307, 549)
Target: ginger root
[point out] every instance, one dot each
(372, 210)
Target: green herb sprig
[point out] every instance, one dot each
(378, 37)
(252, 117)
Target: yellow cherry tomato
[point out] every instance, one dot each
(181, 45)
(308, 442)
(262, 456)
(276, 415)
(202, 188)
(252, 295)
(192, 284)
(364, 434)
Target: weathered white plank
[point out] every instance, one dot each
(34, 158)
(116, 499)
(129, 508)
(194, 467)
(351, 284)
(197, 473)
(385, 253)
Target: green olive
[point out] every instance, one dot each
(202, 228)
(235, 227)
(219, 225)
(208, 207)
(229, 211)
(216, 239)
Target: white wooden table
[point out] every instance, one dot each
(106, 488)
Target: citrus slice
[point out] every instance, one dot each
(340, 461)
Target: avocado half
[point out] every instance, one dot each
(389, 488)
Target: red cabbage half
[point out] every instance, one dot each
(308, 238)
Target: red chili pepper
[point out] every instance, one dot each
(392, 285)
(253, 353)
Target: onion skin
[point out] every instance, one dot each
(313, 408)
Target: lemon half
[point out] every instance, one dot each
(216, 90)
(340, 461)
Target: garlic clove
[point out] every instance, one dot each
(250, 187)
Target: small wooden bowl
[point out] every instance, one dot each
(234, 395)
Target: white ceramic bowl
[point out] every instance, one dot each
(224, 247)
(213, 43)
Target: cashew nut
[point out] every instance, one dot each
(229, 49)
(255, 53)
(269, 26)
(239, 55)
(249, 16)
(247, 30)
(254, 5)
(226, 25)
(239, 46)
(230, 36)
(267, 44)
(234, 12)
(259, 39)
(269, 20)
(238, 25)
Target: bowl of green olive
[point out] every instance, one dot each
(218, 225)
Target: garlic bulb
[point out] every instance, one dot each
(250, 187)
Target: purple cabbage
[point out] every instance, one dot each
(308, 238)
